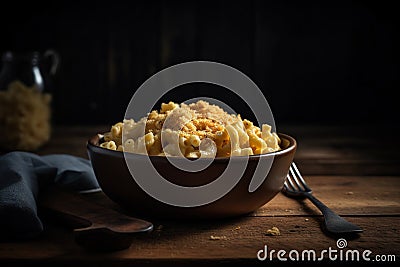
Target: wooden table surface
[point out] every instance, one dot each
(352, 169)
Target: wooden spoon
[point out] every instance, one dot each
(95, 227)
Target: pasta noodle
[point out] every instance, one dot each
(191, 130)
(25, 117)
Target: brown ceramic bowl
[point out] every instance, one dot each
(116, 182)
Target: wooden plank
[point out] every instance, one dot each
(133, 53)
(234, 26)
(346, 149)
(178, 33)
(181, 243)
(80, 86)
(71, 140)
(322, 149)
(240, 241)
(349, 167)
(346, 195)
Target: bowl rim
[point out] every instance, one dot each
(91, 145)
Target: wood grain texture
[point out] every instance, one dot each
(346, 149)
(350, 169)
(243, 239)
(309, 59)
(348, 196)
(174, 242)
(322, 149)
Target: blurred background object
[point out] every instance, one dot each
(25, 99)
(315, 61)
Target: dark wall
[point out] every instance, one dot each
(314, 61)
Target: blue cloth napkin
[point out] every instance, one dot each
(23, 174)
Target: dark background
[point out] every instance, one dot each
(316, 62)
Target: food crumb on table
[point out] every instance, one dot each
(306, 220)
(350, 193)
(274, 231)
(213, 237)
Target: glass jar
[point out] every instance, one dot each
(26, 89)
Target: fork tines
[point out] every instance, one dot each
(295, 181)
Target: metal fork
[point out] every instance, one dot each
(296, 186)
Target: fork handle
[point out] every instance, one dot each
(333, 222)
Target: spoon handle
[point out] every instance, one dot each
(95, 227)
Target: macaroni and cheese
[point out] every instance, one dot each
(191, 130)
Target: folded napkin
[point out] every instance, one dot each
(23, 174)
